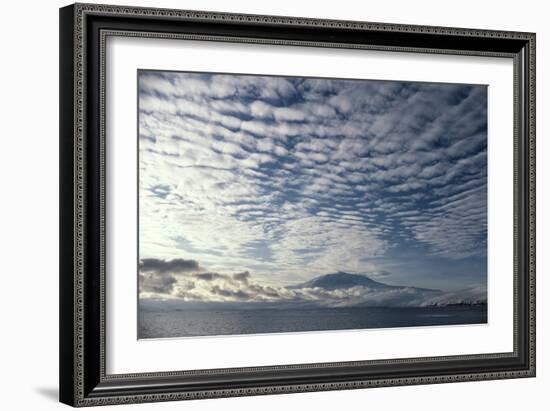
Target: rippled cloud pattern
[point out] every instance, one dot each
(249, 184)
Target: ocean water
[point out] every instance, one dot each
(196, 322)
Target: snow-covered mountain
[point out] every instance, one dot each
(342, 281)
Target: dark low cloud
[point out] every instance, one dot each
(177, 265)
(208, 276)
(243, 277)
(154, 283)
(161, 276)
(233, 294)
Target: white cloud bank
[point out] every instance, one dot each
(163, 280)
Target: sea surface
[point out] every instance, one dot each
(211, 322)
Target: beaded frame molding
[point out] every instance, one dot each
(84, 29)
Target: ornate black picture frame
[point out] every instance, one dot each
(83, 32)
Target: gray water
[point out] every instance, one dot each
(196, 322)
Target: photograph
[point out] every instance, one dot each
(279, 204)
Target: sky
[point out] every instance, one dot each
(271, 181)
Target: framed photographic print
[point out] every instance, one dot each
(261, 204)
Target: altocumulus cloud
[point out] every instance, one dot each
(289, 178)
